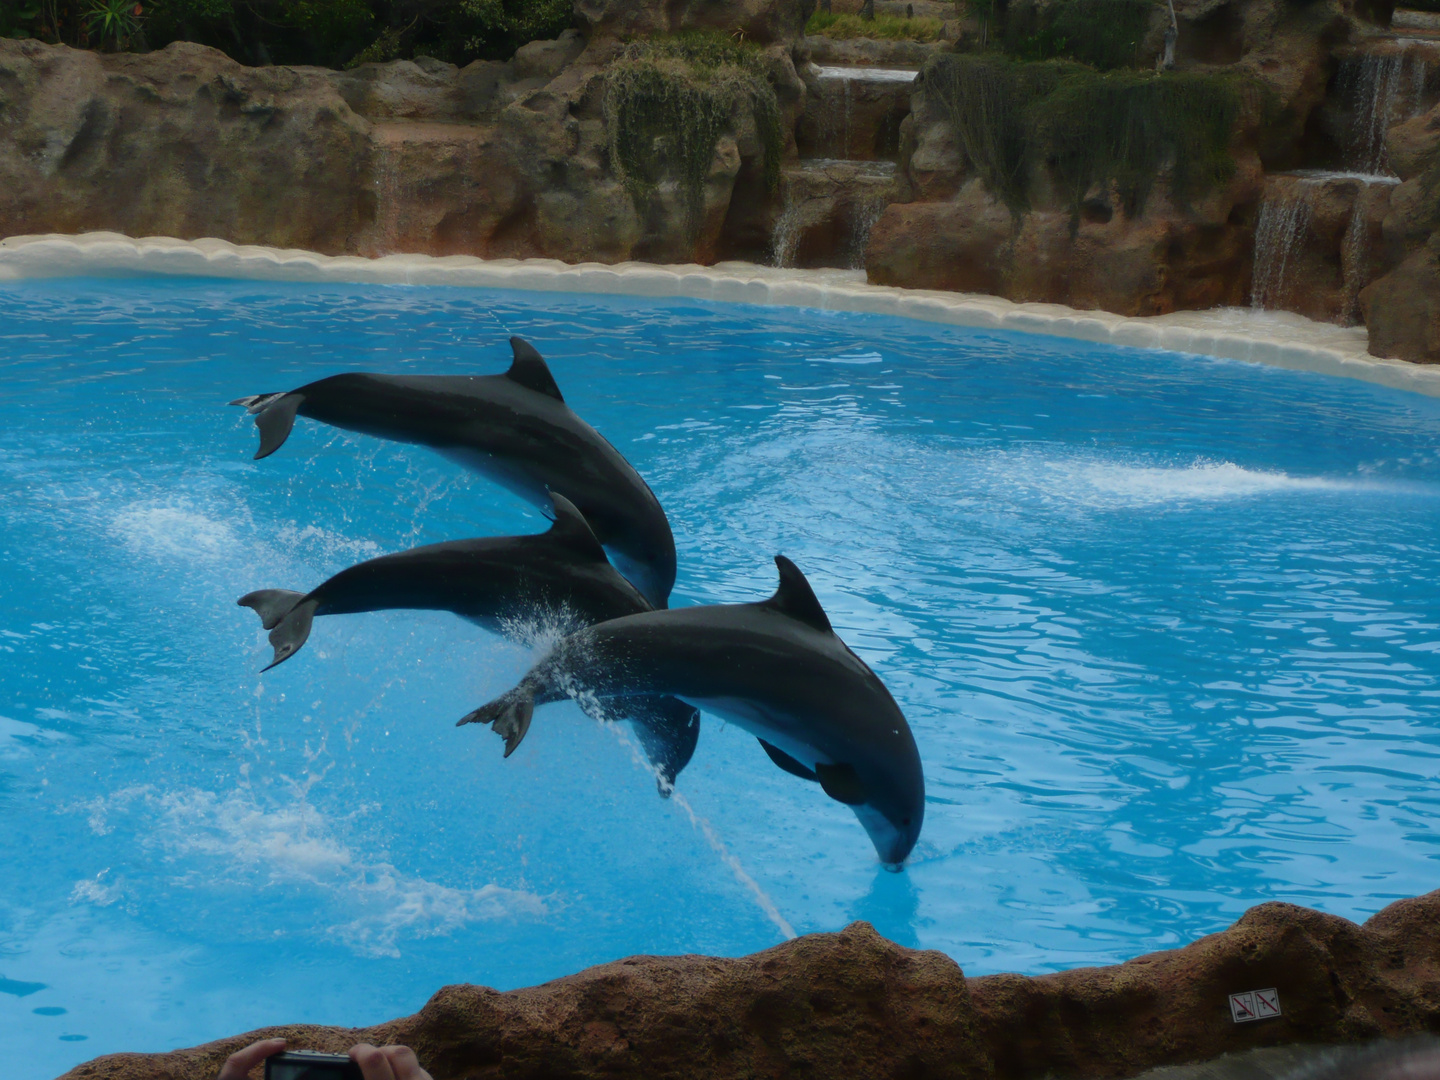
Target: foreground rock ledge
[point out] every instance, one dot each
(855, 1005)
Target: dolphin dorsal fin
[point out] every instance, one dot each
(573, 530)
(796, 599)
(530, 370)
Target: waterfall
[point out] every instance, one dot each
(1383, 88)
(1289, 230)
(387, 200)
(864, 215)
(1284, 223)
(786, 236)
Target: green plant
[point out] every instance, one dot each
(113, 22)
(668, 101)
(502, 26)
(987, 100)
(888, 27)
(1125, 129)
(19, 18)
(1105, 34)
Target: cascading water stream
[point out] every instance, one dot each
(1384, 87)
(1286, 233)
(866, 214)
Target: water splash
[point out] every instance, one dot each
(593, 707)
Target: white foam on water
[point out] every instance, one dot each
(1111, 484)
(174, 530)
(856, 358)
(236, 838)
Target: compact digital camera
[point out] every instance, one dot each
(310, 1065)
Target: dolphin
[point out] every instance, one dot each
(774, 668)
(502, 584)
(514, 428)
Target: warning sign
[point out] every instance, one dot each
(1254, 1005)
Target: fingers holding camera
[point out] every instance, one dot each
(238, 1065)
(387, 1062)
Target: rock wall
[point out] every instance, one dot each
(854, 1004)
(496, 159)
(513, 160)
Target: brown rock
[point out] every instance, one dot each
(854, 1005)
(825, 1005)
(1160, 262)
(492, 160)
(1402, 309)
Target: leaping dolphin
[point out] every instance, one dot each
(502, 584)
(774, 668)
(514, 428)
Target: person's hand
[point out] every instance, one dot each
(376, 1062)
(387, 1062)
(238, 1065)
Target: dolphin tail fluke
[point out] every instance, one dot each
(292, 631)
(274, 416)
(509, 716)
(271, 605)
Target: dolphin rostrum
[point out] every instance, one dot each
(514, 428)
(774, 668)
(504, 584)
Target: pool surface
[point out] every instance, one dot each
(1165, 627)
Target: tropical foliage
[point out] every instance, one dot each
(332, 33)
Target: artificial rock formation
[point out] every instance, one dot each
(495, 159)
(514, 159)
(854, 1004)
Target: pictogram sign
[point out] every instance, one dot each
(1254, 1005)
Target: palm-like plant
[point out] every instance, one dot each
(113, 22)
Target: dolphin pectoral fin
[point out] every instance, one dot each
(842, 783)
(668, 730)
(271, 605)
(275, 419)
(291, 632)
(788, 763)
(509, 715)
(530, 370)
(572, 530)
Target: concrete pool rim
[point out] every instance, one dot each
(1277, 339)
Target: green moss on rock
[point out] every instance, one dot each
(668, 101)
(1087, 128)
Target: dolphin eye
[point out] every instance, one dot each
(905, 821)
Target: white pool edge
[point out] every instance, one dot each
(1276, 339)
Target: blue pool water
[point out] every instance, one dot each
(1165, 628)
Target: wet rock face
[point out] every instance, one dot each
(1318, 243)
(854, 1004)
(1402, 309)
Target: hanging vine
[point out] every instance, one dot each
(668, 101)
